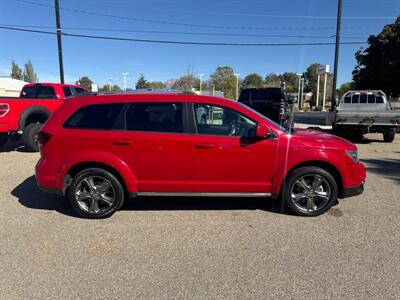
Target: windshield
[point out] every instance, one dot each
(284, 129)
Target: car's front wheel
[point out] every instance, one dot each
(310, 191)
(95, 193)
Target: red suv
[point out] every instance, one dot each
(101, 150)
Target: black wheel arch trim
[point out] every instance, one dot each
(37, 109)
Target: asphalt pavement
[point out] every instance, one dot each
(168, 248)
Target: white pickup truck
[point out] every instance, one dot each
(361, 112)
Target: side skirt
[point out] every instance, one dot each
(176, 194)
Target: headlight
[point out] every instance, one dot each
(353, 155)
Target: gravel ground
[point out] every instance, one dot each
(201, 248)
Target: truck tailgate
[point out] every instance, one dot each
(368, 118)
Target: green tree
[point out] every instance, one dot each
(186, 83)
(311, 83)
(272, 80)
(16, 71)
(157, 85)
(29, 74)
(347, 86)
(224, 80)
(106, 88)
(291, 81)
(86, 82)
(378, 66)
(142, 83)
(252, 80)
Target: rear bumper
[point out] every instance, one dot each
(44, 180)
(352, 191)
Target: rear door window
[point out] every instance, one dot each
(155, 117)
(67, 92)
(99, 116)
(81, 92)
(38, 92)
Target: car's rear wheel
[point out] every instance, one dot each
(96, 193)
(388, 136)
(3, 139)
(310, 191)
(29, 137)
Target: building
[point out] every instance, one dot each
(10, 87)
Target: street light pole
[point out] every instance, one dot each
(237, 85)
(298, 90)
(200, 75)
(109, 83)
(58, 24)
(125, 74)
(335, 68)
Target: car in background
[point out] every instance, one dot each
(270, 102)
(22, 117)
(366, 111)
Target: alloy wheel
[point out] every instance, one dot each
(311, 193)
(95, 194)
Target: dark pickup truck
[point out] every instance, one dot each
(270, 102)
(22, 117)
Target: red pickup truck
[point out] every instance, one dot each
(22, 117)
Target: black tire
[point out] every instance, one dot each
(389, 136)
(321, 205)
(338, 131)
(29, 137)
(83, 207)
(3, 139)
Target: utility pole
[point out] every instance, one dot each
(237, 85)
(335, 68)
(317, 89)
(200, 75)
(125, 74)
(58, 24)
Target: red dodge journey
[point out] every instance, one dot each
(100, 150)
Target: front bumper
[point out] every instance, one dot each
(352, 191)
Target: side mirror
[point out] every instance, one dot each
(262, 131)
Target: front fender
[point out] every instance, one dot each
(98, 156)
(286, 164)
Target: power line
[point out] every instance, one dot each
(179, 42)
(179, 23)
(175, 32)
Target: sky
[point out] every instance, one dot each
(250, 21)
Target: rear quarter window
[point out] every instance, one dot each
(38, 92)
(99, 116)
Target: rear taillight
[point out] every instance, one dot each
(4, 109)
(43, 138)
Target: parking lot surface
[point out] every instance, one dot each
(201, 248)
